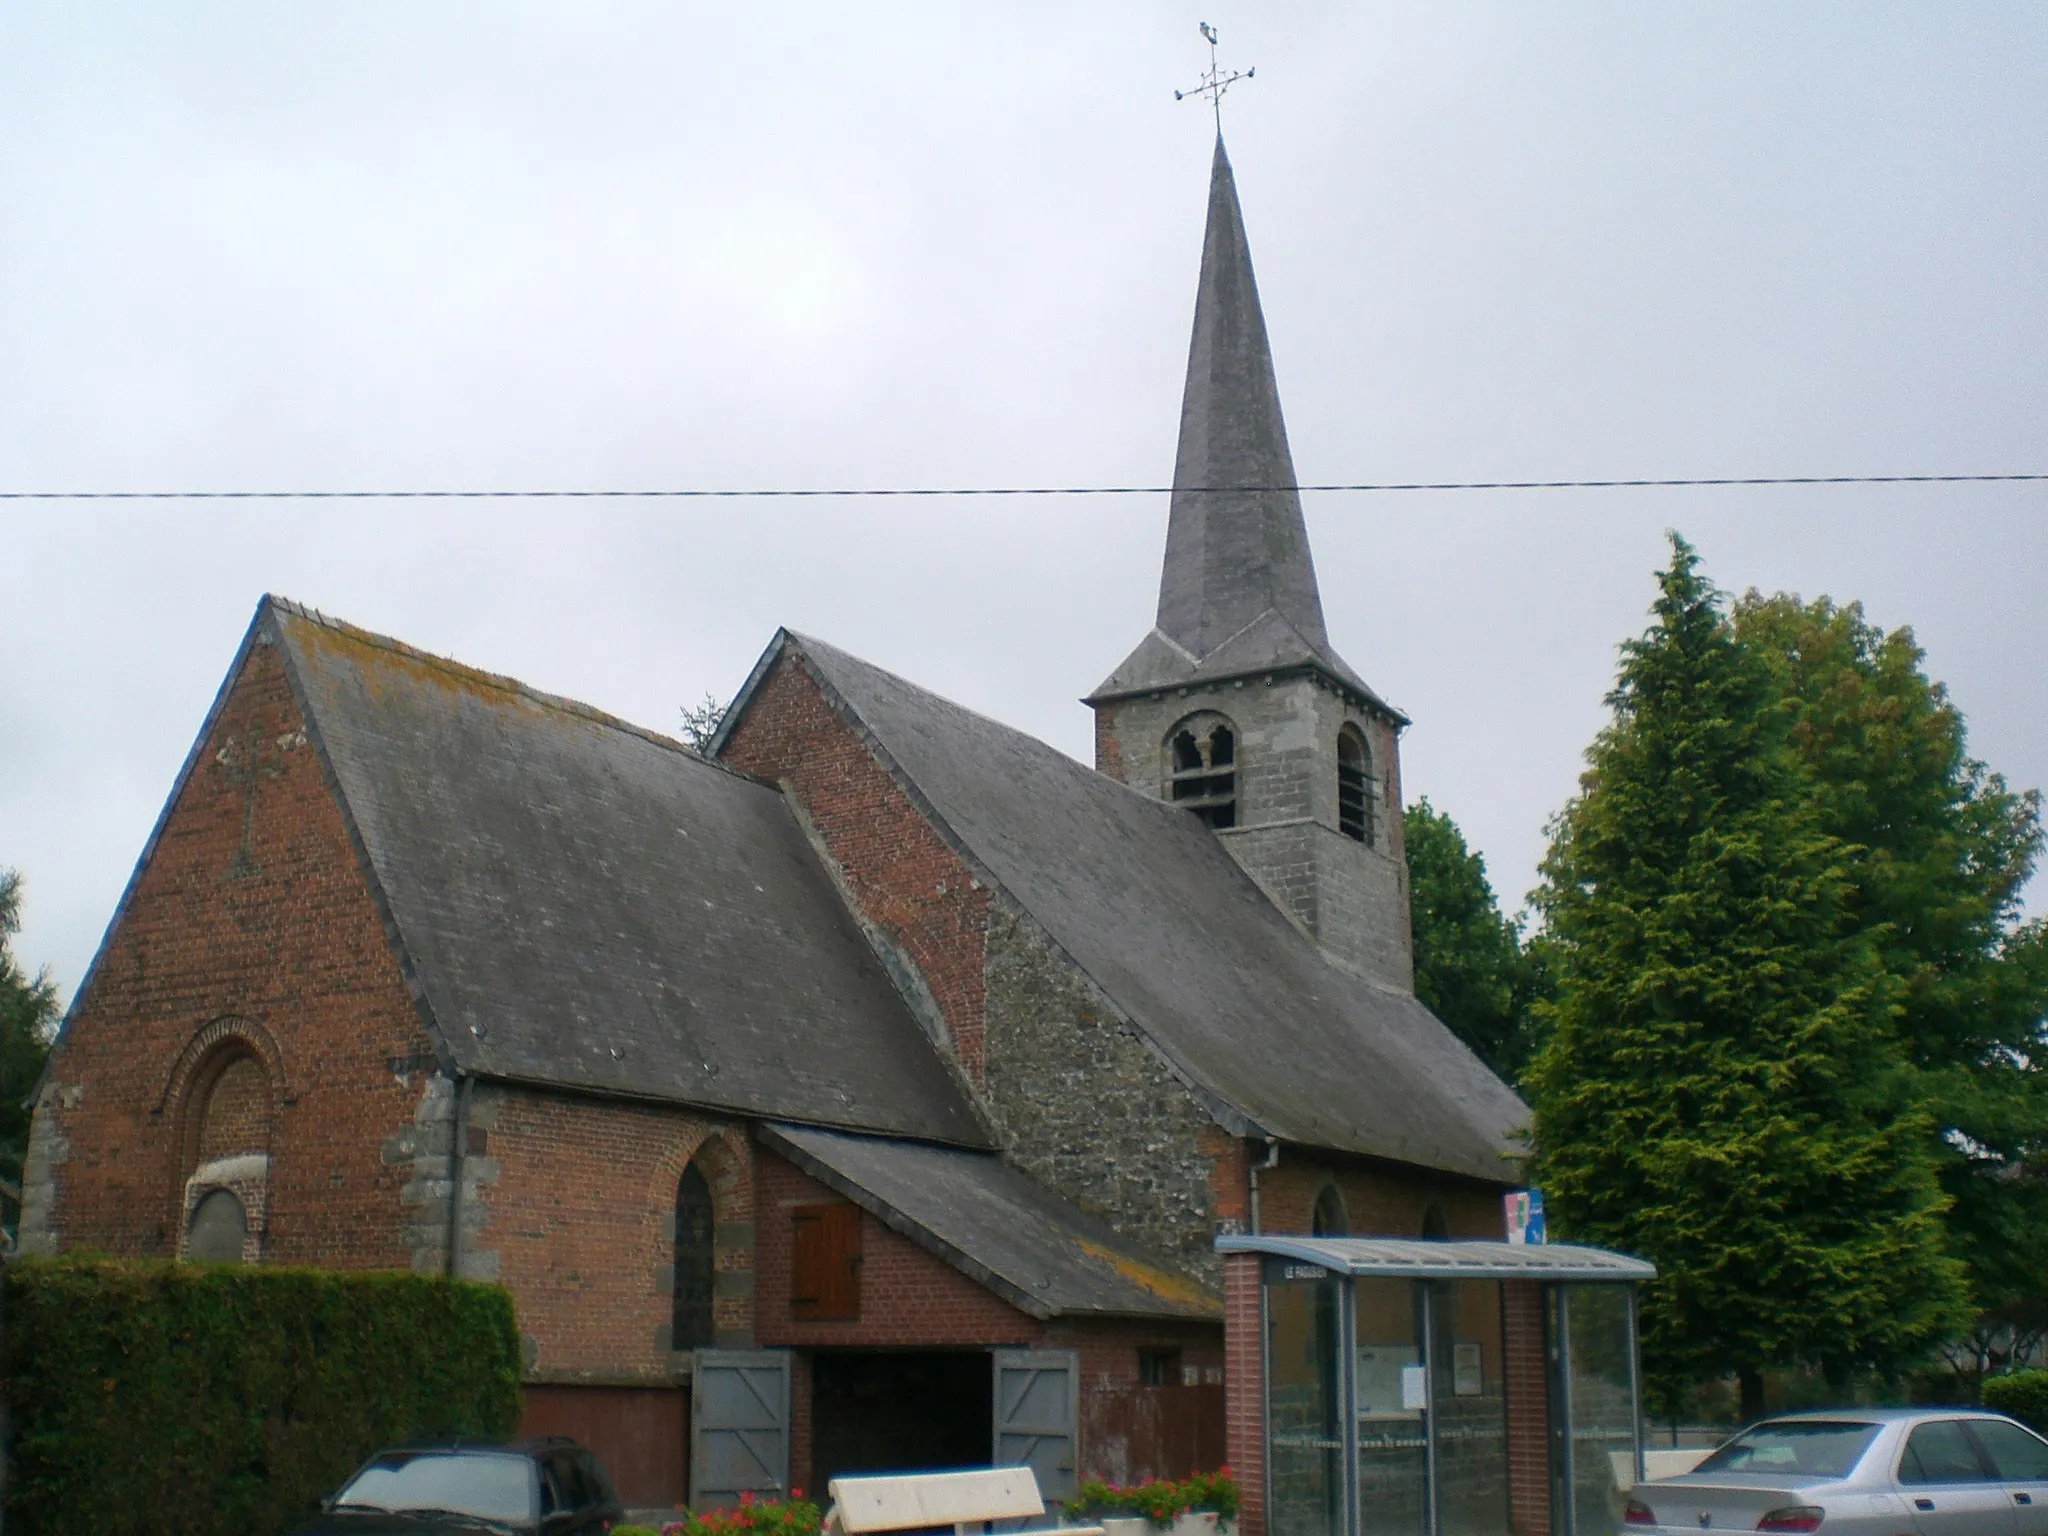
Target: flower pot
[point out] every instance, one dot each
(1194, 1522)
(1126, 1525)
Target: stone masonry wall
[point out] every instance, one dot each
(1351, 897)
(251, 933)
(1086, 1107)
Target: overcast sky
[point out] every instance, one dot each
(477, 246)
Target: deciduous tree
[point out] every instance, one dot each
(28, 1015)
(1938, 848)
(1469, 967)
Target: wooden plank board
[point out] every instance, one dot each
(922, 1500)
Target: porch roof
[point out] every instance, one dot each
(997, 1225)
(1407, 1258)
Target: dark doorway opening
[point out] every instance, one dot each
(899, 1411)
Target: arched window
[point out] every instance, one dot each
(218, 1229)
(1354, 786)
(1329, 1218)
(1202, 768)
(693, 1326)
(1435, 1229)
(226, 1134)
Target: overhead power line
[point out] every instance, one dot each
(795, 492)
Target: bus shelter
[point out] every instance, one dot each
(1419, 1388)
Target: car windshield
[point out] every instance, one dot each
(1798, 1447)
(484, 1486)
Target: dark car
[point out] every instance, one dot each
(546, 1487)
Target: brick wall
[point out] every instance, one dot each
(1380, 1199)
(908, 1297)
(236, 1113)
(250, 934)
(579, 1222)
(907, 885)
(1243, 1388)
(1528, 1409)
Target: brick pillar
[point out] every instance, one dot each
(1528, 1408)
(1243, 1381)
(800, 1430)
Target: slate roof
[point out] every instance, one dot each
(1143, 897)
(581, 903)
(996, 1225)
(1238, 591)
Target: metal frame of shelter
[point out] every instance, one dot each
(1559, 1269)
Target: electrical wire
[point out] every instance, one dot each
(785, 493)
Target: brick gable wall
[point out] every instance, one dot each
(249, 933)
(906, 884)
(1075, 1095)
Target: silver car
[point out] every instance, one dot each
(1859, 1472)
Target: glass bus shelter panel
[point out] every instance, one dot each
(1596, 1329)
(1392, 1397)
(1468, 1398)
(1304, 1421)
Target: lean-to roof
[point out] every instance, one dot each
(996, 1225)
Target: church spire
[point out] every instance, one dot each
(1238, 592)
(1235, 542)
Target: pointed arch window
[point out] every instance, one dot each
(693, 1326)
(1329, 1218)
(1354, 786)
(1202, 769)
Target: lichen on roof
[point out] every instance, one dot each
(374, 656)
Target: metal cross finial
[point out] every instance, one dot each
(1215, 82)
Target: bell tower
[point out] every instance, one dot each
(1235, 706)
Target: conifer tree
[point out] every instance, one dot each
(1720, 1086)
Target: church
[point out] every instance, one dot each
(873, 1089)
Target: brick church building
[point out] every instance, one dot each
(869, 1091)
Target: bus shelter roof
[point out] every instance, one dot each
(1418, 1259)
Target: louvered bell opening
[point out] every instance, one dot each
(1354, 800)
(1205, 776)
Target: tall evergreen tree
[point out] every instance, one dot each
(1719, 1089)
(1469, 967)
(28, 1014)
(1940, 848)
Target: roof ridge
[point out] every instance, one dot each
(499, 680)
(1092, 774)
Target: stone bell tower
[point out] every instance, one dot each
(1235, 706)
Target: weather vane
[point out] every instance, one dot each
(1215, 82)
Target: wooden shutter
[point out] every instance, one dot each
(824, 1273)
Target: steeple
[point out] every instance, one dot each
(1234, 707)
(1238, 592)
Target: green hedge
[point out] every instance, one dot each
(2024, 1395)
(222, 1401)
